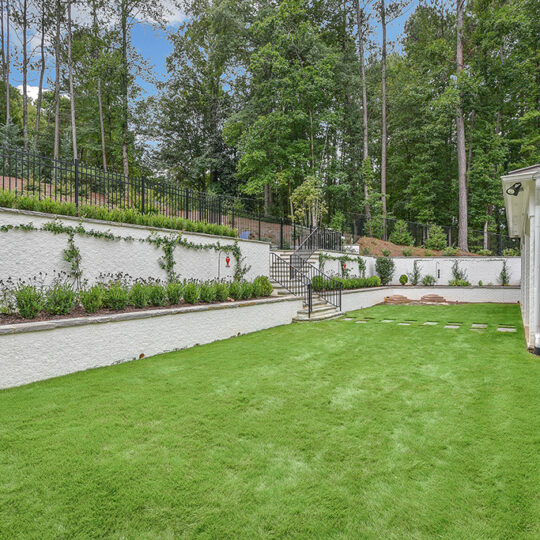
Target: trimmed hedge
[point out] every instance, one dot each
(318, 283)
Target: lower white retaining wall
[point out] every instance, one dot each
(24, 254)
(35, 351)
(484, 269)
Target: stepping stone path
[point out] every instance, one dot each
(478, 326)
(430, 323)
(404, 324)
(396, 299)
(347, 319)
(453, 326)
(506, 329)
(388, 320)
(433, 299)
(359, 322)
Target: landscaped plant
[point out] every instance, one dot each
(450, 251)
(174, 292)
(428, 280)
(403, 279)
(459, 275)
(361, 267)
(266, 286)
(504, 276)
(207, 292)
(436, 238)
(191, 292)
(247, 290)
(415, 276)
(386, 253)
(480, 283)
(29, 301)
(511, 252)
(484, 252)
(235, 290)
(317, 283)
(352, 283)
(401, 235)
(407, 252)
(116, 296)
(157, 295)
(91, 299)
(366, 251)
(139, 295)
(384, 266)
(222, 292)
(60, 299)
(428, 253)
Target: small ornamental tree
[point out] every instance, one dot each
(401, 235)
(384, 266)
(436, 238)
(415, 276)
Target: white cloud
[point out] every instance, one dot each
(32, 91)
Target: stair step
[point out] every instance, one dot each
(318, 309)
(314, 318)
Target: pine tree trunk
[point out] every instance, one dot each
(71, 91)
(25, 72)
(8, 60)
(56, 150)
(99, 96)
(41, 77)
(125, 153)
(360, 23)
(461, 155)
(383, 112)
(3, 43)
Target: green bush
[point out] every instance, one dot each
(428, 280)
(403, 279)
(191, 292)
(157, 295)
(504, 276)
(511, 252)
(361, 267)
(235, 290)
(384, 266)
(91, 299)
(247, 290)
(484, 252)
(458, 274)
(386, 253)
(436, 238)
(29, 301)
(139, 295)
(407, 252)
(317, 283)
(60, 299)
(450, 251)
(459, 283)
(401, 235)
(207, 293)
(266, 286)
(222, 292)
(257, 289)
(116, 296)
(415, 276)
(174, 292)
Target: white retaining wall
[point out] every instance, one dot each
(485, 269)
(35, 351)
(24, 254)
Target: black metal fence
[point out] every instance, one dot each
(357, 225)
(26, 173)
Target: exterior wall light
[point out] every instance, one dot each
(515, 189)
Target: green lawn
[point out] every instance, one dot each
(322, 430)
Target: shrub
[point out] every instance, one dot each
(366, 251)
(386, 252)
(174, 292)
(504, 276)
(257, 289)
(384, 266)
(428, 280)
(450, 251)
(511, 252)
(436, 238)
(428, 253)
(407, 252)
(222, 292)
(480, 283)
(459, 283)
(247, 290)
(157, 295)
(60, 299)
(235, 290)
(139, 295)
(91, 299)
(29, 301)
(458, 273)
(403, 279)
(317, 283)
(484, 252)
(266, 286)
(361, 267)
(191, 292)
(415, 276)
(116, 296)
(401, 235)
(207, 293)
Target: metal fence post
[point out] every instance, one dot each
(220, 206)
(232, 217)
(143, 195)
(259, 224)
(187, 203)
(77, 183)
(281, 233)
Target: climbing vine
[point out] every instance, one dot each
(343, 259)
(72, 255)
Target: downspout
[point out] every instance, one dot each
(536, 268)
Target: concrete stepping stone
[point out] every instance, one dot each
(347, 319)
(388, 320)
(452, 326)
(430, 323)
(478, 325)
(506, 329)
(404, 324)
(360, 322)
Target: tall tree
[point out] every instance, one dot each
(58, 60)
(43, 23)
(460, 127)
(384, 136)
(70, 75)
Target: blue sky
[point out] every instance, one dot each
(154, 46)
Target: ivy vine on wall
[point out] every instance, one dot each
(343, 259)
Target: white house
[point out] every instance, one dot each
(522, 199)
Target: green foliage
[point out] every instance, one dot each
(92, 299)
(139, 295)
(403, 279)
(504, 276)
(361, 267)
(222, 292)
(415, 275)
(366, 251)
(174, 292)
(401, 235)
(157, 295)
(235, 290)
(458, 273)
(450, 251)
(436, 238)
(191, 292)
(207, 292)
(263, 284)
(428, 280)
(115, 296)
(511, 252)
(407, 252)
(356, 283)
(60, 299)
(459, 283)
(247, 290)
(386, 253)
(484, 252)
(29, 301)
(384, 266)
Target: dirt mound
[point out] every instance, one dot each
(375, 247)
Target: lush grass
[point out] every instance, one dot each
(324, 430)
